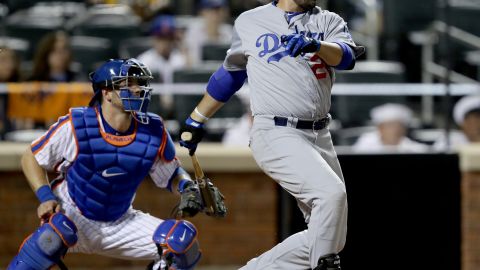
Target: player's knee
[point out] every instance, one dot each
(47, 245)
(337, 196)
(177, 240)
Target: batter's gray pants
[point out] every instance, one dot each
(305, 164)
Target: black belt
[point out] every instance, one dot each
(303, 124)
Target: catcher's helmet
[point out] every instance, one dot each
(111, 74)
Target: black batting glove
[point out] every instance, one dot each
(190, 199)
(297, 44)
(191, 134)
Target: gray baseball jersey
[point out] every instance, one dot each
(282, 85)
(302, 161)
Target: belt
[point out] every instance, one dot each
(302, 124)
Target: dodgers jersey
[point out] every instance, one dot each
(282, 85)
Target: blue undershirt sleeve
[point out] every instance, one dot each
(348, 57)
(223, 83)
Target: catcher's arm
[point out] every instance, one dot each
(37, 178)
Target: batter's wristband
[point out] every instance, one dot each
(45, 193)
(198, 113)
(193, 123)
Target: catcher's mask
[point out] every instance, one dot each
(121, 75)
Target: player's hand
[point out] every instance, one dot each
(191, 134)
(297, 44)
(190, 200)
(219, 200)
(48, 208)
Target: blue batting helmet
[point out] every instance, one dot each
(113, 73)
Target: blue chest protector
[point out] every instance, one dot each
(108, 169)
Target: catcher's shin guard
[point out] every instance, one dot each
(329, 262)
(177, 244)
(47, 245)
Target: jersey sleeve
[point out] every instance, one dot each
(162, 171)
(337, 30)
(56, 145)
(236, 59)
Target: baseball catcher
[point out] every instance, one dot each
(102, 153)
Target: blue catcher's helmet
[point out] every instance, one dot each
(116, 74)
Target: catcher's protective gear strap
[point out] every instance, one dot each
(46, 246)
(177, 239)
(223, 83)
(45, 193)
(348, 57)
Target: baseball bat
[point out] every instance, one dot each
(203, 182)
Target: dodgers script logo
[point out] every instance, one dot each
(271, 44)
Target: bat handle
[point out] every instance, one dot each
(196, 166)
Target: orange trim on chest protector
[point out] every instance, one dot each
(116, 140)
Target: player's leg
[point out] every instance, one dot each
(136, 235)
(177, 244)
(128, 238)
(291, 253)
(288, 156)
(85, 243)
(47, 245)
(325, 147)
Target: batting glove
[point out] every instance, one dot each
(191, 134)
(297, 44)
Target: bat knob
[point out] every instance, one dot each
(186, 136)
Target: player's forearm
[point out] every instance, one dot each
(181, 177)
(207, 107)
(35, 174)
(331, 53)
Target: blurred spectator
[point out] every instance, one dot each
(163, 59)
(239, 6)
(466, 115)
(52, 59)
(145, 9)
(9, 72)
(392, 122)
(356, 12)
(239, 133)
(210, 29)
(10, 65)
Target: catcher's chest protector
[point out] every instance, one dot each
(108, 169)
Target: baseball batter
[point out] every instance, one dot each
(102, 153)
(289, 49)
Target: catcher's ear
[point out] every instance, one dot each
(107, 95)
